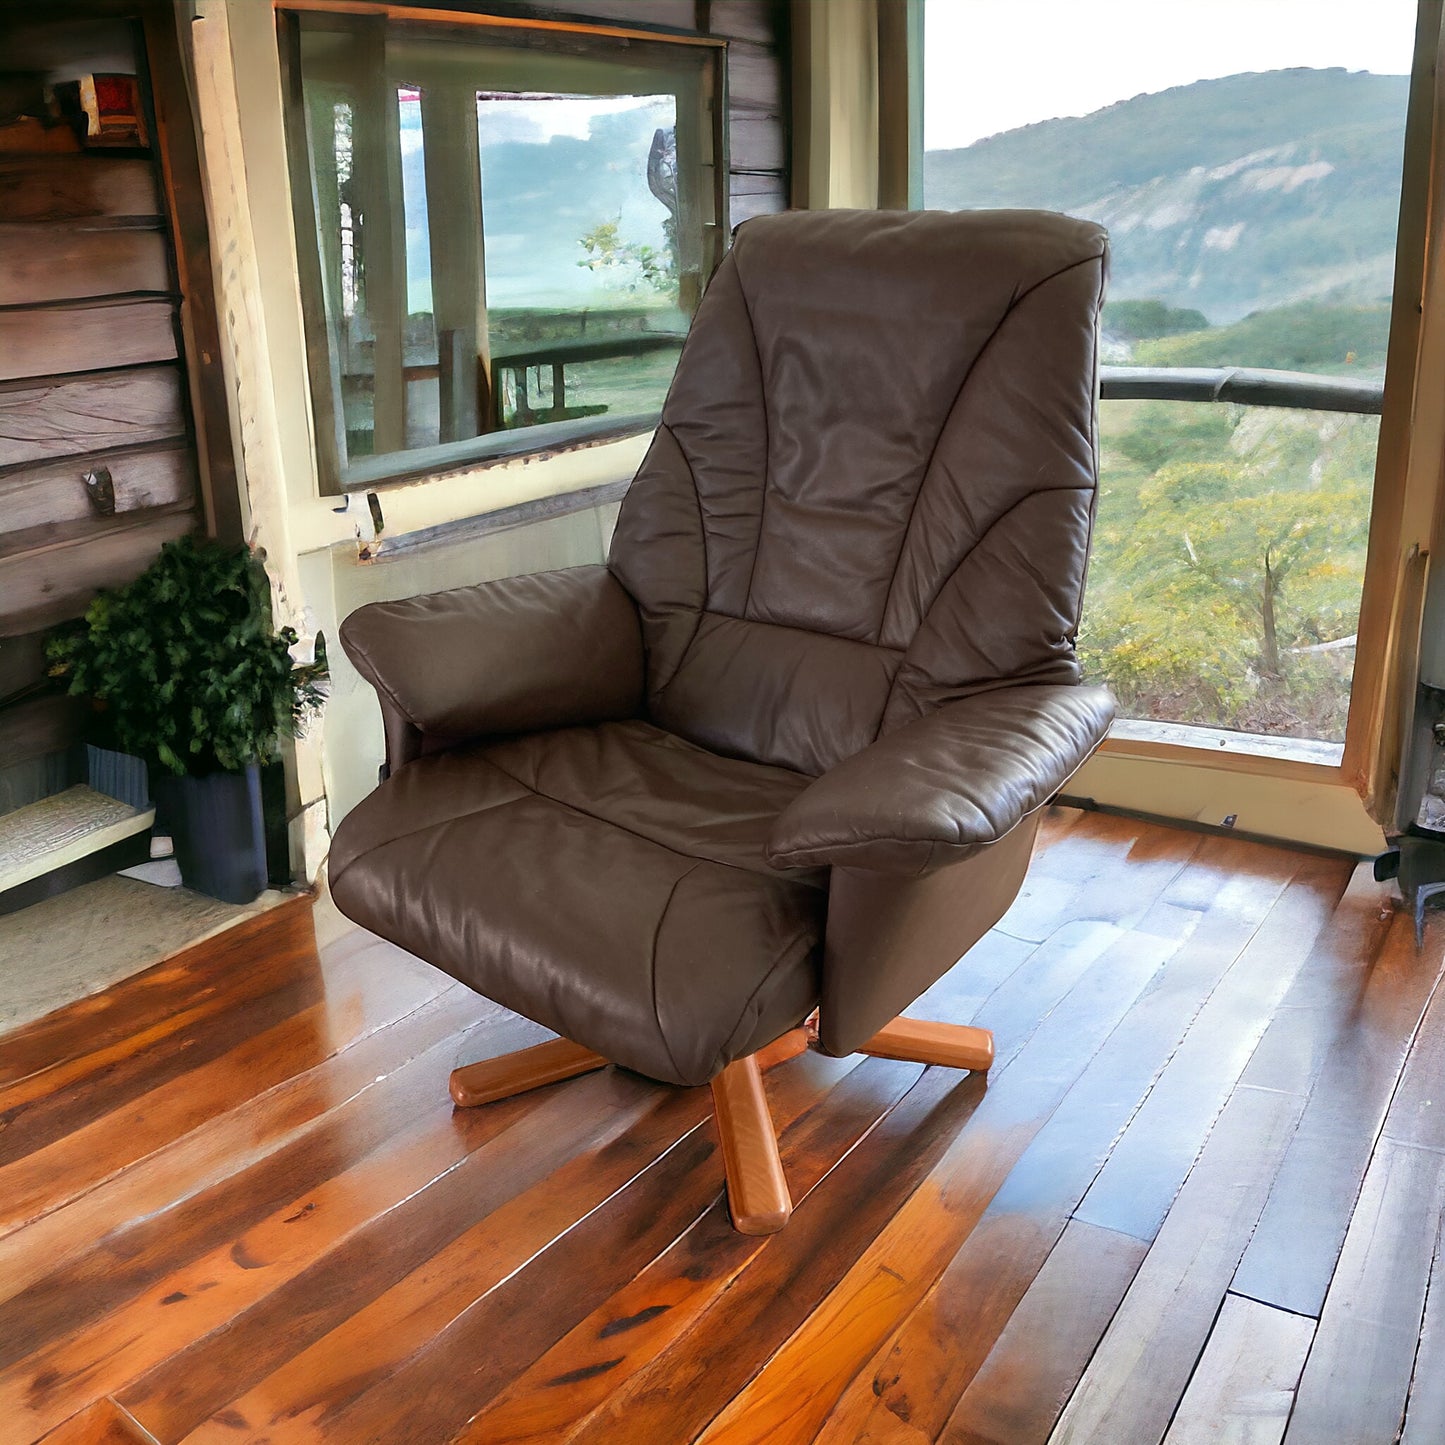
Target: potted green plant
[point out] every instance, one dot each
(185, 670)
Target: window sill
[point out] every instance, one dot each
(533, 443)
(475, 497)
(1222, 748)
(499, 519)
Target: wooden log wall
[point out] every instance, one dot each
(91, 377)
(758, 98)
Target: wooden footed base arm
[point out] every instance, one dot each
(954, 1046)
(758, 1197)
(500, 1078)
(494, 1079)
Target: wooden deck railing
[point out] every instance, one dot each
(1247, 386)
(559, 355)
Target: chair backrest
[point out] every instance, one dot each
(872, 488)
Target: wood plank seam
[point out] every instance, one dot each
(921, 1401)
(1425, 1394)
(1380, 1133)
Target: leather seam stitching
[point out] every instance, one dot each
(800, 937)
(843, 855)
(652, 957)
(331, 877)
(765, 872)
(1003, 320)
(973, 844)
(928, 465)
(898, 652)
(655, 695)
(767, 433)
(697, 505)
(382, 686)
(652, 742)
(1094, 439)
(957, 568)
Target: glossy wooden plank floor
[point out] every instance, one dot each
(1199, 1198)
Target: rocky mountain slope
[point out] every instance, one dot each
(1227, 196)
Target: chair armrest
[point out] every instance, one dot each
(539, 651)
(940, 788)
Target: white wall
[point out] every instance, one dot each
(352, 743)
(322, 553)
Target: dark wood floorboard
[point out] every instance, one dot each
(1357, 1378)
(1243, 1386)
(1217, 957)
(1425, 1407)
(1199, 1197)
(1369, 1021)
(1029, 1374)
(1145, 1359)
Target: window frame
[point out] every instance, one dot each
(1392, 590)
(337, 475)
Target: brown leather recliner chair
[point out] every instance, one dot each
(785, 751)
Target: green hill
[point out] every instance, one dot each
(1226, 196)
(1305, 336)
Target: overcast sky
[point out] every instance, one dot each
(992, 65)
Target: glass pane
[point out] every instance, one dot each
(507, 231)
(1245, 158)
(1228, 560)
(419, 344)
(580, 206)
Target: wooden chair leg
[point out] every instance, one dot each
(500, 1078)
(955, 1046)
(758, 1197)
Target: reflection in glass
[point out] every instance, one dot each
(582, 241)
(506, 234)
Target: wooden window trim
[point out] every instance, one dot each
(435, 15)
(1393, 593)
(499, 519)
(1223, 760)
(495, 449)
(180, 169)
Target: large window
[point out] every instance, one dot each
(504, 236)
(1245, 156)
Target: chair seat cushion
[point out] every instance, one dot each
(608, 882)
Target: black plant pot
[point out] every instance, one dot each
(216, 825)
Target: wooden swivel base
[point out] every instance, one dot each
(758, 1197)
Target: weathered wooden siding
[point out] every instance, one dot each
(91, 378)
